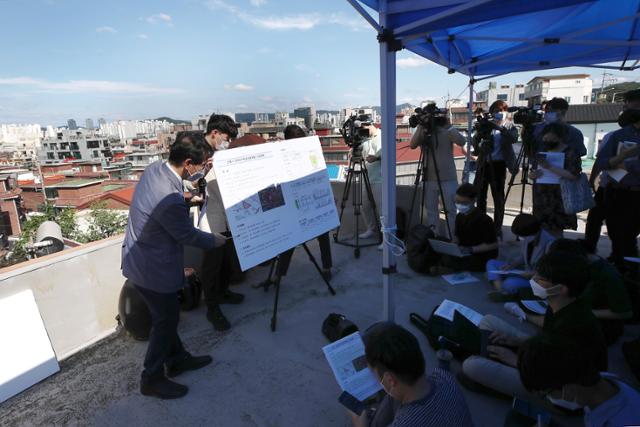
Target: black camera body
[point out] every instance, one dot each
(428, 117)
(355, 133)
(527, 116)
(484, 125)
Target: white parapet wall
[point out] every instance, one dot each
(76, 292)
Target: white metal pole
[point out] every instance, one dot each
(467, 162)
(388, 103)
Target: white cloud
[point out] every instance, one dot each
(239, 87)
(287, 22)
(257, 3)
(242, 106)
(266, 98)
(88, 86)
(160, 18)
(106, 29)
(143, 36)
(413, 62)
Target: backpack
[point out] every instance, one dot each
(191, 293)
(420, 256)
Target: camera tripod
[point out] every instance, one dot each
(357, 175)
(485, 169)
(280, 265)
(522, 161)
(421, 177)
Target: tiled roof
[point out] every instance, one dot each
(593, 113)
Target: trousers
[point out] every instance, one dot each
(494, 175)
(217, 269)
(165, 346)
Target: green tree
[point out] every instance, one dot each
(103, 223)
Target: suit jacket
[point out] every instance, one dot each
(158, 227)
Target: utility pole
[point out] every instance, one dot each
(611, 80)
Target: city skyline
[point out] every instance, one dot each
(143, 60)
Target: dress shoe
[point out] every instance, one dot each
(230, 297)
(367, 234)
(215, 316)
(189, 363)
(163, 388)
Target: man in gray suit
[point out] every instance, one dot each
(153, 259)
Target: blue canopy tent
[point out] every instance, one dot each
(484, 39)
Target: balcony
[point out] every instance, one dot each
(258, 377)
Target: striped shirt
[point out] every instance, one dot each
(444, 406)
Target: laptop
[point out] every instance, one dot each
(446, 248)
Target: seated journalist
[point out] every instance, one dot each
(412, 398)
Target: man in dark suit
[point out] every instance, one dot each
(152, 258)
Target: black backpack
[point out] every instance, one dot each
(336, 326)
(420, 256)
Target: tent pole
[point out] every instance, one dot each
(388, 103)
(467, 162)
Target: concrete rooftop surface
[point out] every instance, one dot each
(260, 378)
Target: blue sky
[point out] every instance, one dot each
(136, 59)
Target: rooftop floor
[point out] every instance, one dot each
(259, 378)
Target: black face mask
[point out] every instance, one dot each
(552, 145)
(628, 117)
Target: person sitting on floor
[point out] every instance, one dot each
(569, 379)
(560, 279)
(605, 293)
(535, 243)
(474, 233)
(412, 399)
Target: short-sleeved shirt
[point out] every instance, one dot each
(623, 409)
(373, 147)
(475, 228)
(443, 406)
(574, 139)
(576, 323)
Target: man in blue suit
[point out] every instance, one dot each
(152, 259)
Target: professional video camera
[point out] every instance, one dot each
(484, 124)
(527, 116)
(428, 116)
(354, 132)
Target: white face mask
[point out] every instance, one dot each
(542, 292)
(566, 404)
(223, 144)
(551, 117)
(464, 208)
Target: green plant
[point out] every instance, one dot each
(103, 223)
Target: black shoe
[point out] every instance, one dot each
(163, 388)
(232, 298)
(215, 316)
(190, 363)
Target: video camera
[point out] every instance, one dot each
(527, 116)
(484, 124)
(355, 133)
(428, 116)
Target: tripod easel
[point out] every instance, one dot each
(279, 265)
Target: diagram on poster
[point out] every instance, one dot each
(276, 196)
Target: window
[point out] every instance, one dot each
(51, 193)
(521, 97)
(578, 82)
(96, 154)
(50, 156)
(585, 99)
(93, 144)
(503, 97)
(568, 99)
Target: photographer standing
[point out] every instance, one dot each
(371, 151)
(440, 169)
(494, 148)
(555, 112)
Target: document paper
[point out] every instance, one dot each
(276, 196)
(447, 308)
(554, 159)
(349, 365)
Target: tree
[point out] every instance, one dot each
(103, 223)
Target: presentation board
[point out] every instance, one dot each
(26, 357)
(276, 196)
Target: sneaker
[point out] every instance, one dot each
(367, 234)
(189, 363)
(230, 297)
(217, 319)
(163, 388)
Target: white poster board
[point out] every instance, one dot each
(26, 357)
(276, 196)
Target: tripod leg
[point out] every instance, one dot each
(315, 264)
(357, 208)
(275, 302)
(372, 202)
(345, 197)
(415, 189)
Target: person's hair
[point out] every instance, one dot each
(467, 190)
(525, 225)
(547, 363)
(223, 124)
(390, 347)
(568, 245)
(189, 145)
(565, 268)
(632, 95)
(498, 106)
(557, 104)
(294, 131)
(558, 129)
